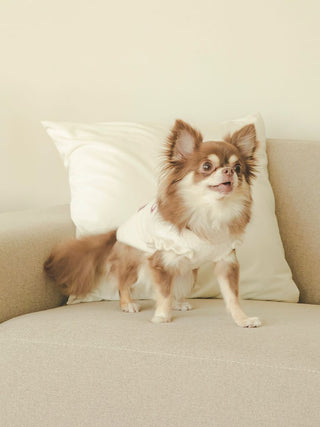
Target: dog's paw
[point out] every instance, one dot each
(181, 306)
(161, 318)
(249, 322)
(130, 307)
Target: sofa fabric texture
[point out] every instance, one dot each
(26, 239)
(92, 365)
(295, 178)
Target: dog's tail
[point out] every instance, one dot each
(77, 265)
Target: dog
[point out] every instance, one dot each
(200, 214)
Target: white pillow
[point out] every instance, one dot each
(113, 169)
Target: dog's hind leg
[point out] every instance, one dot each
(127, 277)
(124, 265)
(127, 304)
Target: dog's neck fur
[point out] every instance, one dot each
(228, 217)
(206, 218)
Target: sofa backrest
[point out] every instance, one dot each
(294, 171)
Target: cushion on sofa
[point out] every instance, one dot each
(113, 171)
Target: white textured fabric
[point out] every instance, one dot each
(113, 170)
(146, 230)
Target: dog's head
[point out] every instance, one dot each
(198, 173)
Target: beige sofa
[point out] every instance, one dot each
(92, 365)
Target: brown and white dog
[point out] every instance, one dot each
(201, 211)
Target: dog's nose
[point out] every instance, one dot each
(227, 171)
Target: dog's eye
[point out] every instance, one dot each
(207, 167)
(237, 168)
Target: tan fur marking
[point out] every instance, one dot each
(245, 139)
(238, 225)
(180, 130)
(229, 271)
(77, 265)
(162, 277)
(169, 202)
(126, 272)
(163, 280)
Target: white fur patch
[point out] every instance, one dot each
(233, 158)
(144, 284)
(231, 258)
(130, 307)
(183, 285)
(179, 262)
(163, 309)
(211, 212)
(214, 158)
(181, 305)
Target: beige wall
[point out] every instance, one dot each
(101, 60)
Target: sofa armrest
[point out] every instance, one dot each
(26, 239)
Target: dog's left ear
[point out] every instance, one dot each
(182, 141)
(245, 140)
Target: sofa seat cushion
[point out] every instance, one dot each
(92, 365)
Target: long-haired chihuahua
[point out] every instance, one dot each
(200, 213)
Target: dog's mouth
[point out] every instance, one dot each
(224, 187)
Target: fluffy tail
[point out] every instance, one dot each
(77, 265)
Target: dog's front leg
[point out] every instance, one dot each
(163, 281)
(163, 299)
(227, 272)
(183, 284)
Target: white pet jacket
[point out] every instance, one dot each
(148, 231)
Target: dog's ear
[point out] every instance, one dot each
(245, 140)
(182, 141)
